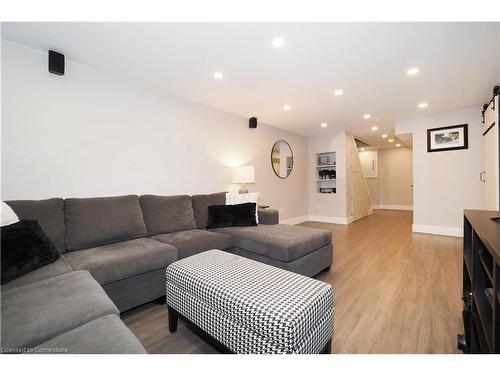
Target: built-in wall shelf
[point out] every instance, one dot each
(326, 172)
(481, 283)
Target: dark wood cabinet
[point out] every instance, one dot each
(481, 283)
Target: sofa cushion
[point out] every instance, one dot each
(167, 214)
(35, 313)
(281, 242)
(56, 268)
(200, 206)
(92, 222)
(118, 261)
(106, 335)
(190, 242)
(24, 248)
(50, 216)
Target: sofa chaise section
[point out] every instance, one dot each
(302, 250)
(306, 251)
(37, 312)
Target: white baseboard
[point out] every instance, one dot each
(434, 229)
(331, 219)
(295, 220)
(392, 207)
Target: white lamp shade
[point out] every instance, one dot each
(244, 175)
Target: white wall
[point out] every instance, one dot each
(328, 207)
(445, 183)
(90, 133)
(395, 177)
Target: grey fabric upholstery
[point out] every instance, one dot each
(48, 212)
(137, 290)
(110, 263)
(56, 268)
(268, 216)
(281, 242)
(92, 222)
(201, 203)
(190, 242)
(167, 214)
(35, 313)
(308, 265)
(106, 335)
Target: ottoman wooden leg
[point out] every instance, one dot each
(173, 317)
(328, 348)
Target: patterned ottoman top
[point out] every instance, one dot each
(268, 300)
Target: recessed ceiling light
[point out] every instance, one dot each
(324, 125)
(423, 105)
(278, 42)
(218, 75)
(413, 71)
(287, 107)
(367, 116)
(338, 92)
(391, 140)
(398, 145)
(374, 128)
(384, 135)
(362, 149)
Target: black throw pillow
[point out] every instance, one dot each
(236, 215)
(25, 247)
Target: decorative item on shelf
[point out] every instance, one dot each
(324, 160)
(244, 175)
(327, 174)
(447, 138)
(327, 190)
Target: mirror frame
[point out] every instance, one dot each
(293, 161)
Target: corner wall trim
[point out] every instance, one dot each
(433, 229)
(392, 207)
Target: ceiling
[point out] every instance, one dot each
(459, 65)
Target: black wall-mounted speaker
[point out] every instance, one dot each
(252, 122)
(56, 63)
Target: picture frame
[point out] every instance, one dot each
(448, 138)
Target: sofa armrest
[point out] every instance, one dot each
(268, 216)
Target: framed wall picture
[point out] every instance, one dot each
(447, 138)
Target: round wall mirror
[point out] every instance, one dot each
(282, 159)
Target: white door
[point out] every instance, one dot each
(368, 161)
(489, 174)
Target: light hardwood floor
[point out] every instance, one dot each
(395, 292)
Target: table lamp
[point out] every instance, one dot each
(244, 175)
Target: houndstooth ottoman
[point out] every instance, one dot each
(243, 306)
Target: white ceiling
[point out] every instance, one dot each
(459, 65)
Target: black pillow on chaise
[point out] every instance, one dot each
(235, 215)
(24, 248)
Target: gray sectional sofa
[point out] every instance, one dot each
(114, 253)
